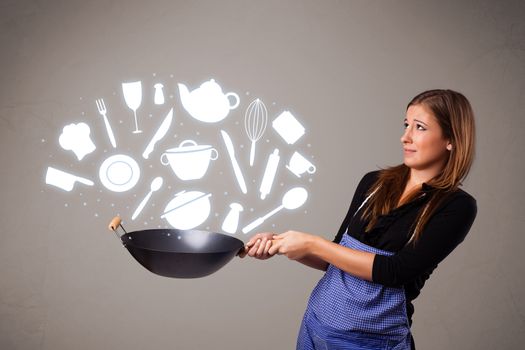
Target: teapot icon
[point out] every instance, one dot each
(208, 103)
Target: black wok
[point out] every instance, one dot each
(179, 253)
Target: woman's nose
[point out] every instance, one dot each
(406, 137)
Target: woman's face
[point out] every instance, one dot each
(424, 147)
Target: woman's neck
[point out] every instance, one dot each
(418, 177)
(415, 180)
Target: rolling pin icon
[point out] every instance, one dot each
(269, 173)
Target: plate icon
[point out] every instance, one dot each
(119, 173)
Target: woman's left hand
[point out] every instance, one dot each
(295, 245)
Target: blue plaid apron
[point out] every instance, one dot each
(349, 313)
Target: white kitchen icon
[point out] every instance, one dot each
(269, 173)
(231, 222)
(133, 96)
(159, 134)
(235, 164)
(63, 180)
(255, 120)
(299, 165)
(103, 111)
(292, 199)
(75, 137)
(189, 161)
(119, 173)
(208, 103)
(158, 97)
(288, 127)
(187, 210)
(156, 184)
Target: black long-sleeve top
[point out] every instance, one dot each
(411, 265)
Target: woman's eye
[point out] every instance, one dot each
(418, 126)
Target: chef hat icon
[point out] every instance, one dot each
(75, 137)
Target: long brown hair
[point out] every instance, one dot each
(455, 117)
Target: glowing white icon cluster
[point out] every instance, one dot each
(189, 160)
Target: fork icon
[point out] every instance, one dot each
(102, 110)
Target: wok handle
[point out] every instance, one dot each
(115, 223)
(241, 251)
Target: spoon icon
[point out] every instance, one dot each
(292, 199)
(156, 184)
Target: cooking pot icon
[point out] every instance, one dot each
(189, 161)
(187, 210)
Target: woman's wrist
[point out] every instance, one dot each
(315, 245)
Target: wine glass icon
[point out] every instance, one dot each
(133, 97)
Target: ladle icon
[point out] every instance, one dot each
(156, 184)
(292, 199)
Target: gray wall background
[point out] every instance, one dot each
(347, 67)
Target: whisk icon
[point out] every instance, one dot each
(255, 120)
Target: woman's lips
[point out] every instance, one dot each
(408, 151)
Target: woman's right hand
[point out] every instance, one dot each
(258, 246)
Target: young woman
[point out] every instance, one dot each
(402, 222)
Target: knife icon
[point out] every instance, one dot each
(161, 132)
(236, 168)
